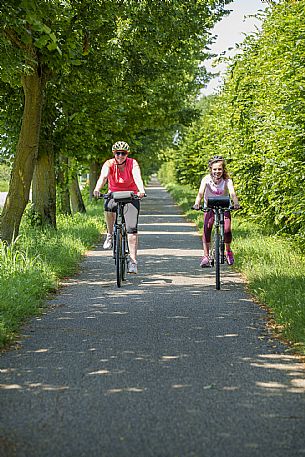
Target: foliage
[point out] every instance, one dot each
(4, 177)
(257, 123)
(108, 70)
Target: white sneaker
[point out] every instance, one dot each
(108, 242)
(132, 267)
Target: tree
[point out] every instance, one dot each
(141, 56)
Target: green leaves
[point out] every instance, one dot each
(257, 123)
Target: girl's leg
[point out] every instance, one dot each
(227, 230)
(228, 238)
(208, 222)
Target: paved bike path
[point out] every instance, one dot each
(164, 367)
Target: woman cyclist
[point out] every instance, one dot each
(216, 183)
(122, 174)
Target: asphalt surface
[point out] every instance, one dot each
(164, 367)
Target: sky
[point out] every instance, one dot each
(231, 30)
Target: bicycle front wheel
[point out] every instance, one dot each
(118, 257)
(217, 261)
(124, 255)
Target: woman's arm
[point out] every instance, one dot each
(101, 180)
(136, 173)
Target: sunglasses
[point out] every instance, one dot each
(121, 153)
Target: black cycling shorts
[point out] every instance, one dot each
(131, 213)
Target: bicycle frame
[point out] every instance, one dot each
(217, 255)
(120, 237)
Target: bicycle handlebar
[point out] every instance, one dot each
(207, 208)
(109, 195)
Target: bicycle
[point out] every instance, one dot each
(120, 237)
(217, 249)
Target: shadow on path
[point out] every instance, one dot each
(165, 366)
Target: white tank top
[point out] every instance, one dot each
(215, 190)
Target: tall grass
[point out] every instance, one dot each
(33, 265)
(274, 269)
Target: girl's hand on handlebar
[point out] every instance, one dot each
(96, 193)
(196, 207)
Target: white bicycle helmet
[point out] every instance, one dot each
(120, 146)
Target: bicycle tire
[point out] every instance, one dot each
(217, 261)
(124, 255)
(118, 257)
(222, 251)
(114, 245)
(221, 239)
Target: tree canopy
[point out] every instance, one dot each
(256, 122)
(101, 71)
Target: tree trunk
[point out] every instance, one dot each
(77, 201)
(63, 185)
(94, 174)
(26, 154)
(44, 184)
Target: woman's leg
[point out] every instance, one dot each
(131, 213)
(110, 219)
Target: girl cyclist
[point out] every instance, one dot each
(122, 173)
(215, 184)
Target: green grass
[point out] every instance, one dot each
(5, 173)
(273, 267)
(3, 186)
(32, 267)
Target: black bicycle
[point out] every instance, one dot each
(120, 238)
(219, 205)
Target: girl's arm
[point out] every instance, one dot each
(136, 173)
(101, 180)
(200, 193)
(233, 194)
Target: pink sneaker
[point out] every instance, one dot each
(204, 262)
(230, 257)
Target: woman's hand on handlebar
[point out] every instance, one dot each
(96, 193)
(141, 194)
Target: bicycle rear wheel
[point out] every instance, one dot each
(118, 257)
(217, 261)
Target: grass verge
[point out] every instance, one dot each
(33, 266)
(273, 267)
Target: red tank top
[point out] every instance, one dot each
(119, 180)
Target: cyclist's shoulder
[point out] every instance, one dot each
(133, 162)
(206, 179)
(110, 162)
